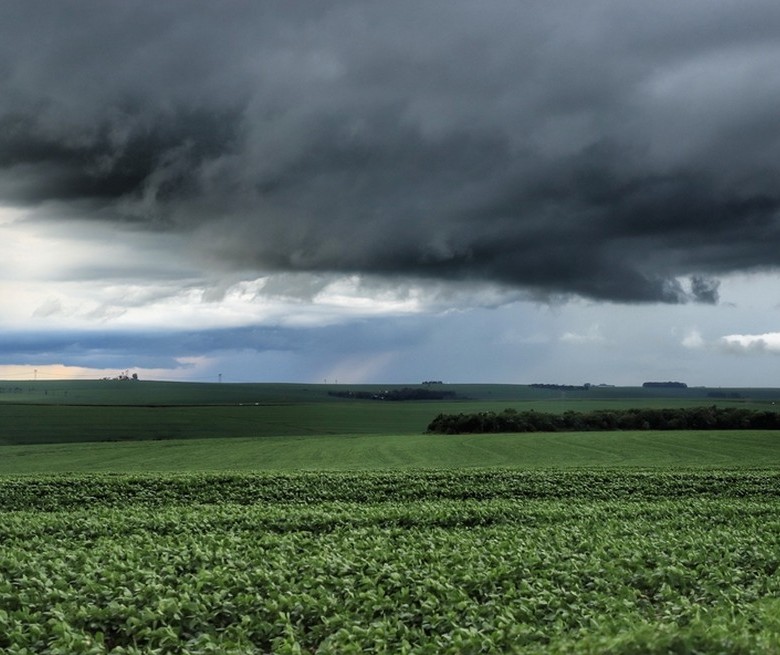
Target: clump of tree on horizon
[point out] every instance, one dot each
(406, 393)
(561, 387)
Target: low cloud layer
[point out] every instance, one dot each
(735, 344)
(752, 343)
(616, 151)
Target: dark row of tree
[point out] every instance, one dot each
(691, 418)
(665, 385)
(406, 393)
(560, 387)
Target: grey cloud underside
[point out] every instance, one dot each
(170, 349)
(603, 149)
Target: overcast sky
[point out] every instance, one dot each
(373, 191)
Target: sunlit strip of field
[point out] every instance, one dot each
(744, 448)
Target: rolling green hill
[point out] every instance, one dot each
(143, 515)
(73, 411)
(137, 426)
(671, 449)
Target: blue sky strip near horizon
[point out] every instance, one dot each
(367, 191)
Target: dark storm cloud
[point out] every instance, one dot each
(162, 156)
(601, 148)
(704, 289)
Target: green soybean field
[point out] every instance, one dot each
(155, 518)
(424, 561)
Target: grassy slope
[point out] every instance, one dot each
(350, 452)
(178, 426)
(57, 412)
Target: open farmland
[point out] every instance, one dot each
(76, 411)
(307, 523)
(420, 562)
(109, 426)
(708, 449)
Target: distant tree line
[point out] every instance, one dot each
(560, 387)
(688, 418)
(724, 394)
(406, 393)
(665, 385)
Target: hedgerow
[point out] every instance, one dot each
(680, 418)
